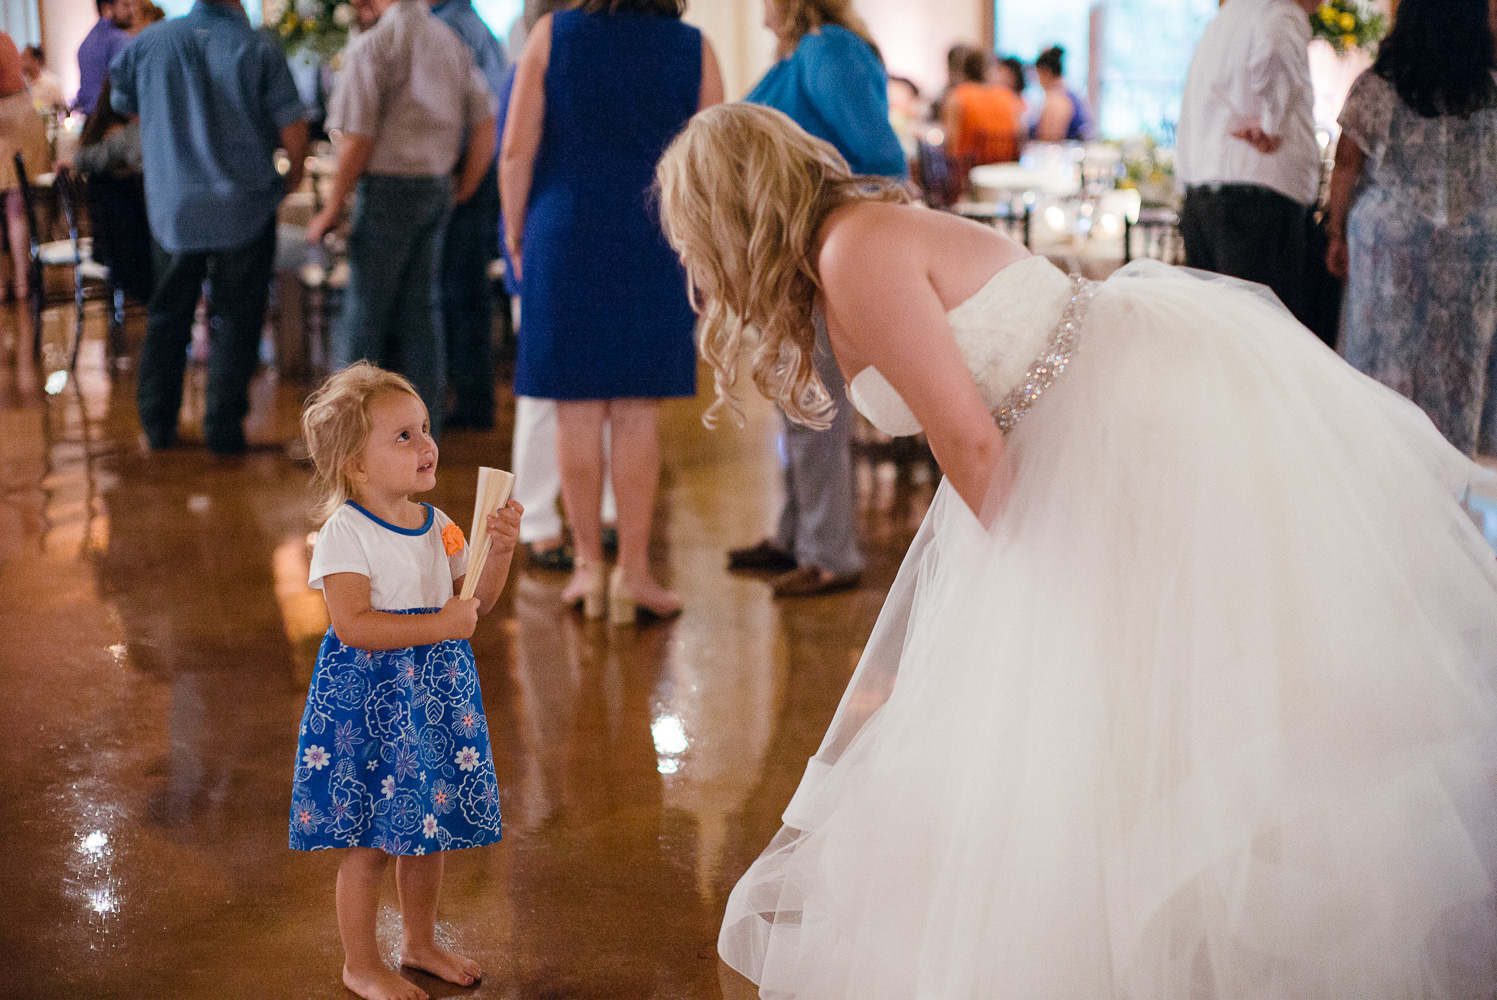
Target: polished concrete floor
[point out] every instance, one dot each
(159, 636)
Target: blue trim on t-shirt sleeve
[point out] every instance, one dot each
(431, 516)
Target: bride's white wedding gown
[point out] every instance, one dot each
(1207, 712)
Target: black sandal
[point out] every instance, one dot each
(557, 558)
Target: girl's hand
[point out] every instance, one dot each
(504, 529)
(461, 617)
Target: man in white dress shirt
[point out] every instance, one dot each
(1247, 152)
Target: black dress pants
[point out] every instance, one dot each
(238, 283)
(1250, 232)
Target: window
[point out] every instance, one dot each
(1142, 50)
(20, 20)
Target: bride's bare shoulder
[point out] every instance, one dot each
(878, 242)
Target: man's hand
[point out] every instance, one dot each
(322, 223)
(1260, 140)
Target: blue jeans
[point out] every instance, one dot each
(467, 307)
(392, 313)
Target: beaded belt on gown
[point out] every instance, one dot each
(1058, 352)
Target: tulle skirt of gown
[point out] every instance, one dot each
(1207, 712)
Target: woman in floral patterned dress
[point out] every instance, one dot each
(1413, 219)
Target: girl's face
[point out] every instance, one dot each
(399, 457)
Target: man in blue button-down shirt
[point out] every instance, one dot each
(215, 99)
(472, 242)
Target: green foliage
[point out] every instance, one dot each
(320, 26)
(1349, 25)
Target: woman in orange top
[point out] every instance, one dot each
(983, 122)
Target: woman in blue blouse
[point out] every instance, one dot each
(831, 80)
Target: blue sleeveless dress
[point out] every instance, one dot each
(604, 296)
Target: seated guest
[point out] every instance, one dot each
(109, 156)
(1064, 116)
(401, 136)
(905, 113)
(110, 141)
(982, 121)
(1007, 72)
(956, 58)
(46, 91)
(21, 131)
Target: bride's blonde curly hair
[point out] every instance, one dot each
(743, 192)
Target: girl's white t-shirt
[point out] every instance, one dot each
(407, 567)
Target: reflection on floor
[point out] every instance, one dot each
(159, 640)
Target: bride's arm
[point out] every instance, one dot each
(881, 304)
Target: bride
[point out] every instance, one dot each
(1185, 688)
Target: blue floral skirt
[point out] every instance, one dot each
(394, 751)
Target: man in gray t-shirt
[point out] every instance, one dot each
(409, 103)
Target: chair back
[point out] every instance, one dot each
(937, 182)
(67, 185)
(28, 199)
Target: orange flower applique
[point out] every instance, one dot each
(452, 539)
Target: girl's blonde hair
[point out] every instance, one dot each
(743, 192)
(335, 424)
(802, 17)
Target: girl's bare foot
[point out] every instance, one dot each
(443, 964)
(382, 984)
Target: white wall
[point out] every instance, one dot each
(745, 48)
(915, 34)
(64, 23)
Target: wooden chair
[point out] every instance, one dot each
(934, 176)
(90, 279)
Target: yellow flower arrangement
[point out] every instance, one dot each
(317, 25)
(1349, 25)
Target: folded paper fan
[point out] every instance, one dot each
(494, 488)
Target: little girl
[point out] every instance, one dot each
(394, 755)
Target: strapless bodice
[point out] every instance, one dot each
(1006, 329)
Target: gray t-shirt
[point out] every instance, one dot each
(411, 86)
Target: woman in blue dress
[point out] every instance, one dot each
(599, 92)
(1413, 219)
(831, 81)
